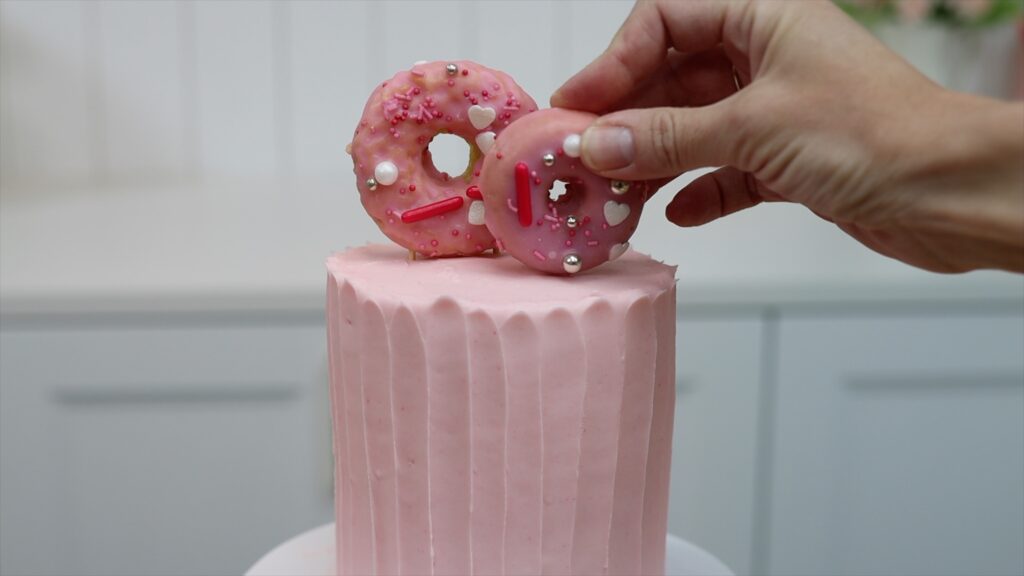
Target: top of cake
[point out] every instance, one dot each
(495, 281)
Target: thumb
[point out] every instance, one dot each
(649, 143)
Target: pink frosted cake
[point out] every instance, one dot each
(492, 420)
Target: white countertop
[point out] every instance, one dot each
(263, 246)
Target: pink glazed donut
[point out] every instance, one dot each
(586, 226)
(415, 205)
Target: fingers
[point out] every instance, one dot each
(683, 79)
(714, 195)
(640, 47)
(653, 143)
(636, 51)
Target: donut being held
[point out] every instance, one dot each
(587, 225)
(415, 205)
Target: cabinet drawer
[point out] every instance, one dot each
(899, 445)
(157, 450)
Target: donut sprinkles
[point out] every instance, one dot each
(589, 224)
(433, 213)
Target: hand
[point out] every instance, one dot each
(803, 105)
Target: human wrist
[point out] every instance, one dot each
(962, 176)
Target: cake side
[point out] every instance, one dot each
(489, 420)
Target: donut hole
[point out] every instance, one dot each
(566, 191)
(447, 154)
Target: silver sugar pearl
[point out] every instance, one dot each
(549, 159)
(371, 183)
(451, 69)
(620, 187)
(572, 221)
(572, 263)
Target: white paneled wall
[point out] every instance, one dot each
(173, 91)
(48, 91)
(141, 81)
(180, 145)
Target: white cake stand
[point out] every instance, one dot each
(312, 554)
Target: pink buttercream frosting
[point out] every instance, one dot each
(492, 420)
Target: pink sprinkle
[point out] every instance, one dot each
(496, 86)
(415, 90)
(554, 227)
(465, 72)
(568, 243)
(455, 232)
(473, 100)
(500, 155)
(417, 72)
(536, 180)
(604, 226)
(539, 256)
(433, 242)
(479, 248)
(572, 233)
(591, 242)
(465, 93)
(550, 218)
(451, 82)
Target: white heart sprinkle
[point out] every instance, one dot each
(481, 117)
(419, 62)
(615, 213)
(476, 213)
(618, 250)
(571, 145)
(484, 141)
(386, 173)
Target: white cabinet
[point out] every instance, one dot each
(157, 446)
(899, 445)
(832, 440)
(715, 437)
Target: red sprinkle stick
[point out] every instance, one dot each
(523, 205)
(474, 193)
(431, 210)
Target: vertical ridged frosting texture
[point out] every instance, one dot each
(492, 420)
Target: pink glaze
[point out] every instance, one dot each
(538, 231)
(422, 209)
(490, 420)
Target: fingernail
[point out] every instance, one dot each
(607, 147)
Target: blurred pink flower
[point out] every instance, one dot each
(913, 10)
(972, 9)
